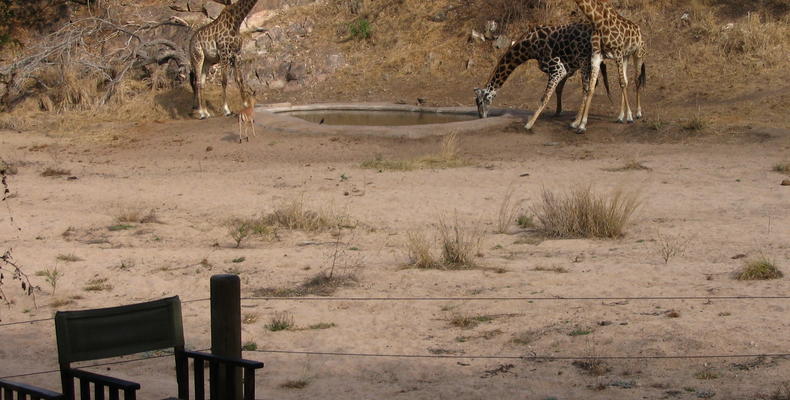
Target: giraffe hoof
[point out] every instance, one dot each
(580, 131)
(630, 121)
(638, 116)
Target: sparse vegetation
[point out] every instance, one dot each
(459, 244)
(525, 221)
(295, 384)
(97, 285)
(447, 157)
(706, 374)
(418, 248)
(249, 318)
(507, 213)
(294, 215)
(68, 257)
(580, 332)
(668, 247)
(630, 165)
(322, 325)
(280, 321)
(321, 284)
(556, 268)
(51, 276)
(583, 213)
(132, 215)
(760, 268)
(360, 29)
(55, 172)
(249, 346)
(465, 321)
(592, 367)
(781, 167)
(238, 260)
(120, 227)
(696, 123)
(240, 229)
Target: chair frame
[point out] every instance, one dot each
(116, 331)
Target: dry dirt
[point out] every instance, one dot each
(712, 191)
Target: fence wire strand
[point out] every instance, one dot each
(93, 365)
(522, 357)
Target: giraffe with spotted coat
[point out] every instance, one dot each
(218, 42)
(614, 38)
(559, 50)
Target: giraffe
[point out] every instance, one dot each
(560, 51)
(218, 42)
(618, 39)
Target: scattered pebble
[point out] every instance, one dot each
(209, 148)
(786, 182)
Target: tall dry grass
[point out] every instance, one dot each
(584, 213)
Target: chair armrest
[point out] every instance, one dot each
(110, 382)
(236, 362)
(23, 390)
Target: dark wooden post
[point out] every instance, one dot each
(226, 327)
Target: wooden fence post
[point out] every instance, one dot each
(226, 327)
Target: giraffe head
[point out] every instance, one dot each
(483, 98)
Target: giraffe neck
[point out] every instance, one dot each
(516, 55)
(597, 12)
(235, 13)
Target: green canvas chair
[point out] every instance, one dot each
(117, 331)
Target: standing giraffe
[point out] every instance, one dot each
(218, 42)
(559, 50)
(615, 38)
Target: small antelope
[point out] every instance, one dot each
(247, 117)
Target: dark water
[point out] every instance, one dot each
(379, 118)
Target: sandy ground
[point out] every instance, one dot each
(714, 192)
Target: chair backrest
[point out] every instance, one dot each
(116, 331)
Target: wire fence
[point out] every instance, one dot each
(531, 357)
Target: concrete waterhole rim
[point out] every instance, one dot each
(274, 117)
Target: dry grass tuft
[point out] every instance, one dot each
(97, 285)
(8, 168)
(459, 244)
(696, 123)
(592, 367)
(465, 321)
(630, 165)
(582, 213)
(294, 215)
(418, 248)
(55, 172)
(758, 269)
(281, 321)
(137, 215)
(447, 157)
(508, 212)
(295, 384)
(15, 123)
(781, 167)
(68, 257)
(321, 284)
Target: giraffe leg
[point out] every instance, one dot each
(239, 79)
(581, 120)
(558, 92)
(224, 81)
(625, 107)
(241, 128)
(558, 75)
(198, 83)
(639, 78)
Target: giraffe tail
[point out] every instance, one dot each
(605, 76)
(641, 82)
